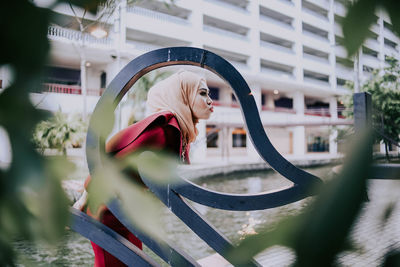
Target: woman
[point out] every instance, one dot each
(176, 103)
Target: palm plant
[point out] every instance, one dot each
(61, 132)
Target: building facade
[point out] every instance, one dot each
(288, 51)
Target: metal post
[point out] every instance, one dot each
(362, 114)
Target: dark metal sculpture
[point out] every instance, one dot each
(172, 195)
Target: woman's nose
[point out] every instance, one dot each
(209, 101)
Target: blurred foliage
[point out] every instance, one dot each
(61, 131)
(137, 97)
(33, 205)
(384, 87)
(132, 195)
(361, 16)
(321, 232)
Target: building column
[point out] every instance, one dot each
(83, 88)
(196, 19)
(112, 70)
(251, 151)
(334, 133)
(381, 41)
(254, 36)
(198, 149)
(299, 132)
(332, 43)
(298, 45)
(299, 139)
(298, 103)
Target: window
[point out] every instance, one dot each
(239, 137)
(284, 102)
(103, 79)
(234, 100)
(212, 134)
(263, 99)
(317, 144)
(214, 93)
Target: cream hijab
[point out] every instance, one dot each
(176, 94)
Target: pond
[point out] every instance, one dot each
(76, 250)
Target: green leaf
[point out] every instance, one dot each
(159, 167)
(356, 24)
(393, 7)
(138, 204)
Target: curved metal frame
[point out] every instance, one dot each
(171, 195)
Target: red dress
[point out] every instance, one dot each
(160, 132)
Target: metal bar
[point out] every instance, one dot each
(193, 219)
(109, 240)
(168, 252)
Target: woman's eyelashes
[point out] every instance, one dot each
(204, 92)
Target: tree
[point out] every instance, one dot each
(384, 87)
(136, 98)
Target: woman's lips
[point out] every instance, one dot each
(212, 109)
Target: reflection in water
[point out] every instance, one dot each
(75, 250)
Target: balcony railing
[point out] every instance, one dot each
(315, 14)
(73, 35)
(276, 22)
(157, 15)
(238, 36)
(322, 112)
(146, 47)
(279, 109)
(277, 47)
(230, 6)
(67, 89)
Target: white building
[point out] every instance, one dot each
(288, 51)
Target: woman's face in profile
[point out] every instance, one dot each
(202, 107)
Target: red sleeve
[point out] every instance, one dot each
(152, 138)
(156, 137)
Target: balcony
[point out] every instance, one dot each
(59, 33)
(340, 9)
(316, 78)
(273, 28)
(285, 7)
(315, 38)
(321, 112)
(279, 109)
(344, 72)
(227, 33)
(370, 61)
(277, 47)
(315, 15)
(157, 15)
(284, 21)
(142, 46)
(388, 34)
(67, 89)
(232, 6)
(276, 70)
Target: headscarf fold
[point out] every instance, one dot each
(176, 94)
